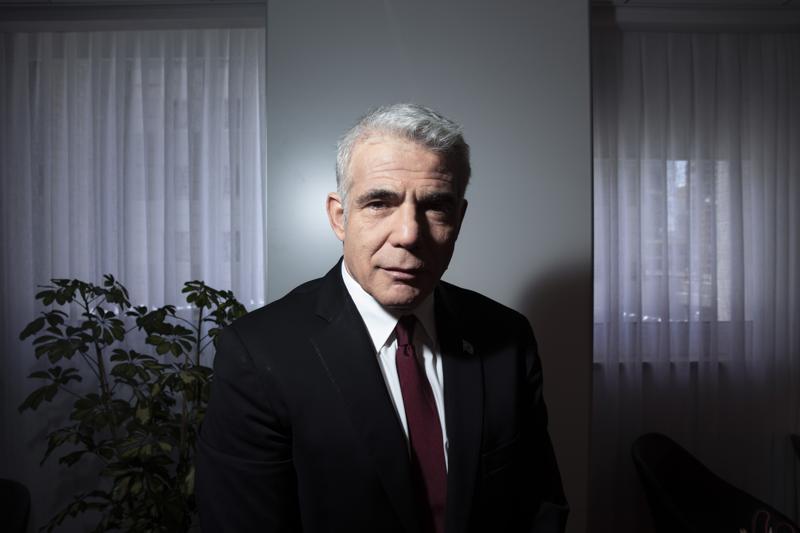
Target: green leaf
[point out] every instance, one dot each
(72, 330)
(60, 349)
(155, 340)
(35, 398)
(124, 370)
(56, 439)
(51, 391)
(186, 345)
(71, 458)
(121, 488)
(176, 349)
(70, 374)
(32, 328)
(143, 414)
(41, 350)
(55, 318)
(188, 482)
(42, 294)
(119, 355)
(87, 402)
(178, 329)
(163, 348)
(44, 338)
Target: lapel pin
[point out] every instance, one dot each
(467, 347)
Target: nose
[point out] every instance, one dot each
(406, 230)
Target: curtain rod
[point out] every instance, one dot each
(705, 18)
(89, 17)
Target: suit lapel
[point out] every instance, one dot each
(463, 400)
(347, 353)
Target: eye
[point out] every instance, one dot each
(377, 205)
(440, 209)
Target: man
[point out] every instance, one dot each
(379, 398)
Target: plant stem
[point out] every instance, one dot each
(184, 320)
(90, 364)
(101, 371)
(73, 393)
(204, 347)
(199, 336)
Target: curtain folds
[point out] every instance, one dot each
(135, 153)
(697, 260)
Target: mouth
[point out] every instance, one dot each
(403, 274)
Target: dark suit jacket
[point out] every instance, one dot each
(301, 433)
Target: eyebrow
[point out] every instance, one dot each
(439, 198)
(376, 194)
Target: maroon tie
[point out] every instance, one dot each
(429, 474)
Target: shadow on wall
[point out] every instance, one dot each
(559, 306)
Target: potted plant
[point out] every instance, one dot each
(140, 392)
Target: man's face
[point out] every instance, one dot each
(403, 218)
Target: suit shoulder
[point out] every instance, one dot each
(474, 306)
(291, 309)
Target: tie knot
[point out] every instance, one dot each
(404, 330)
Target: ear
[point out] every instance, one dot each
(335, 210)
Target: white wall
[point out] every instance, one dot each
(515, 74)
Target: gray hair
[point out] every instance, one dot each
(415, 123)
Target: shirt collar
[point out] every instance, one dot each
(381, 321)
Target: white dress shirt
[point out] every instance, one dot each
(380, 324)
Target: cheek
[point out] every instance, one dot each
(444, 237)
(362, 248)
(371, 236)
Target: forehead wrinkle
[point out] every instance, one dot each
(392, 153)
(399, 174)
(387, 187)
(391, 164)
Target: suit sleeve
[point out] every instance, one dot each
(245, 477)
(544, 479)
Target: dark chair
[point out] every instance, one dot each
(15, 506)
(686, 497)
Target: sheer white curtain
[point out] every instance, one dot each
(135, 153)
(697, 260)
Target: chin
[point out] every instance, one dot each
(401, 298)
